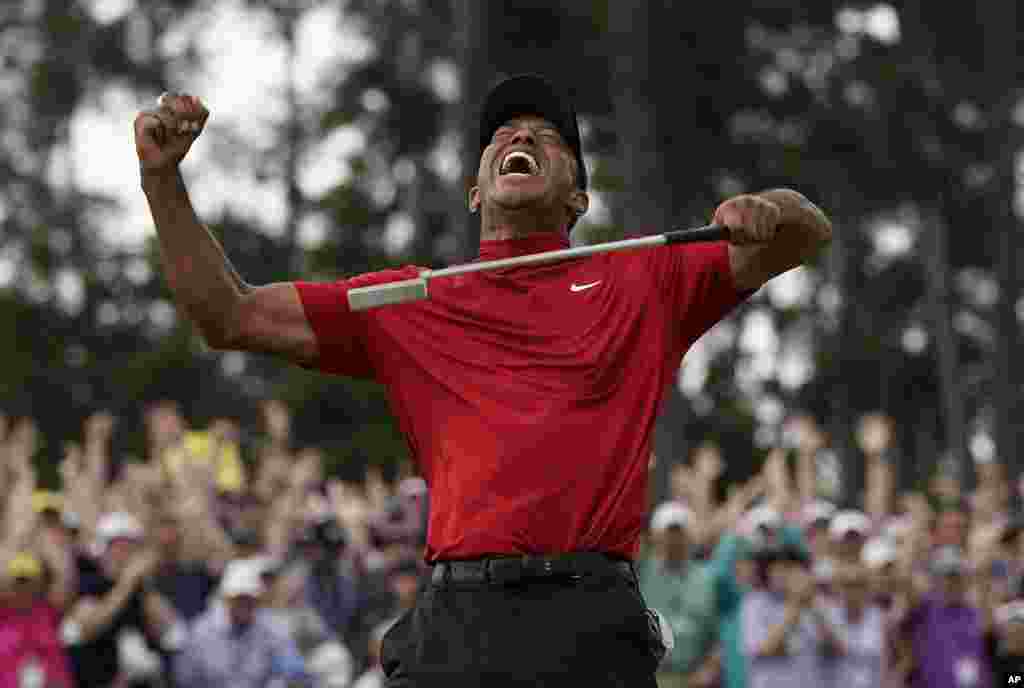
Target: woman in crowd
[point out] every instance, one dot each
(786, 632)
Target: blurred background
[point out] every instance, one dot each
(338, 144)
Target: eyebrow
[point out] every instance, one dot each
(546, 126)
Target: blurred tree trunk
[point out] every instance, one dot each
(638, 93)
(998, 20)
(920, 46)
(940, 313)
(474, 59)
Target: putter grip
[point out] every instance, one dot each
(708, 233)
(387, 294)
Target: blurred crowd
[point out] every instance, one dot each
(199, 566)
(776, 587)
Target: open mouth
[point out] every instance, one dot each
(519, 163)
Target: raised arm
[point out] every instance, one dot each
(772, 232)
(229, 313)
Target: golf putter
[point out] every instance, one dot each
(416, 289)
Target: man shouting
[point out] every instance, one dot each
(527, 395)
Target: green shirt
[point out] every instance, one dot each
(686, 598)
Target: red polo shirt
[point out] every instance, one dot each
(528, 395)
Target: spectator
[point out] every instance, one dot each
(849, 531)
(185, 579)
(233, 645)
(817, 516)
(946, 632)
(732, 564)
(329, 588)
(30, 649)
(860, 629)
(682, 590)
(880, 557)
(288, 612)
(115, 598)
(785, 634)
(1006, 642)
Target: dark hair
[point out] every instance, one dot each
(767, 555)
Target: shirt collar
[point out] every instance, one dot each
(496, 249)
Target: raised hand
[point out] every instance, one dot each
(874, 433)
(99, 427)
(164, 135)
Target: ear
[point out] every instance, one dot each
(474, 199)
(579, 202)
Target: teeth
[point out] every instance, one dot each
(534, 167)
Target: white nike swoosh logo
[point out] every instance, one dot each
(580, 287)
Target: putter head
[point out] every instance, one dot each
(388, 294)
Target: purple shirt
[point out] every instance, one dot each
(801, 664)
(863, 664)
(948, 645)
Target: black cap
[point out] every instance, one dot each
(532, 94)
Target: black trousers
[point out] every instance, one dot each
(595, 632)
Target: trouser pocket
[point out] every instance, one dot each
(660, 633)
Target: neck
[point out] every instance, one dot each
(501, 224)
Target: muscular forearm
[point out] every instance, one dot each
(203, 281)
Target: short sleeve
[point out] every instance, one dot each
(698, 283)
(342, 335)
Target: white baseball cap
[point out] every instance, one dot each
(878, 552)
(817, 511)
(668, 514)
(242, 577)
(763, 516)
(118, 524)
(847, 522)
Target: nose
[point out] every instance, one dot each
(524, 135)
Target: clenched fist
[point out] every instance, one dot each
(751, 219)
(164, 135)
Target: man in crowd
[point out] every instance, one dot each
(683, 591)
(329, 588)
(116, 597)
(185, 581)
(232, 645)
(860, 628)
(947, 633)
(849, 530)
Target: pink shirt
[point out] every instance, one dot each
(32, 633)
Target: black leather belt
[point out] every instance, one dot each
(514, 570)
